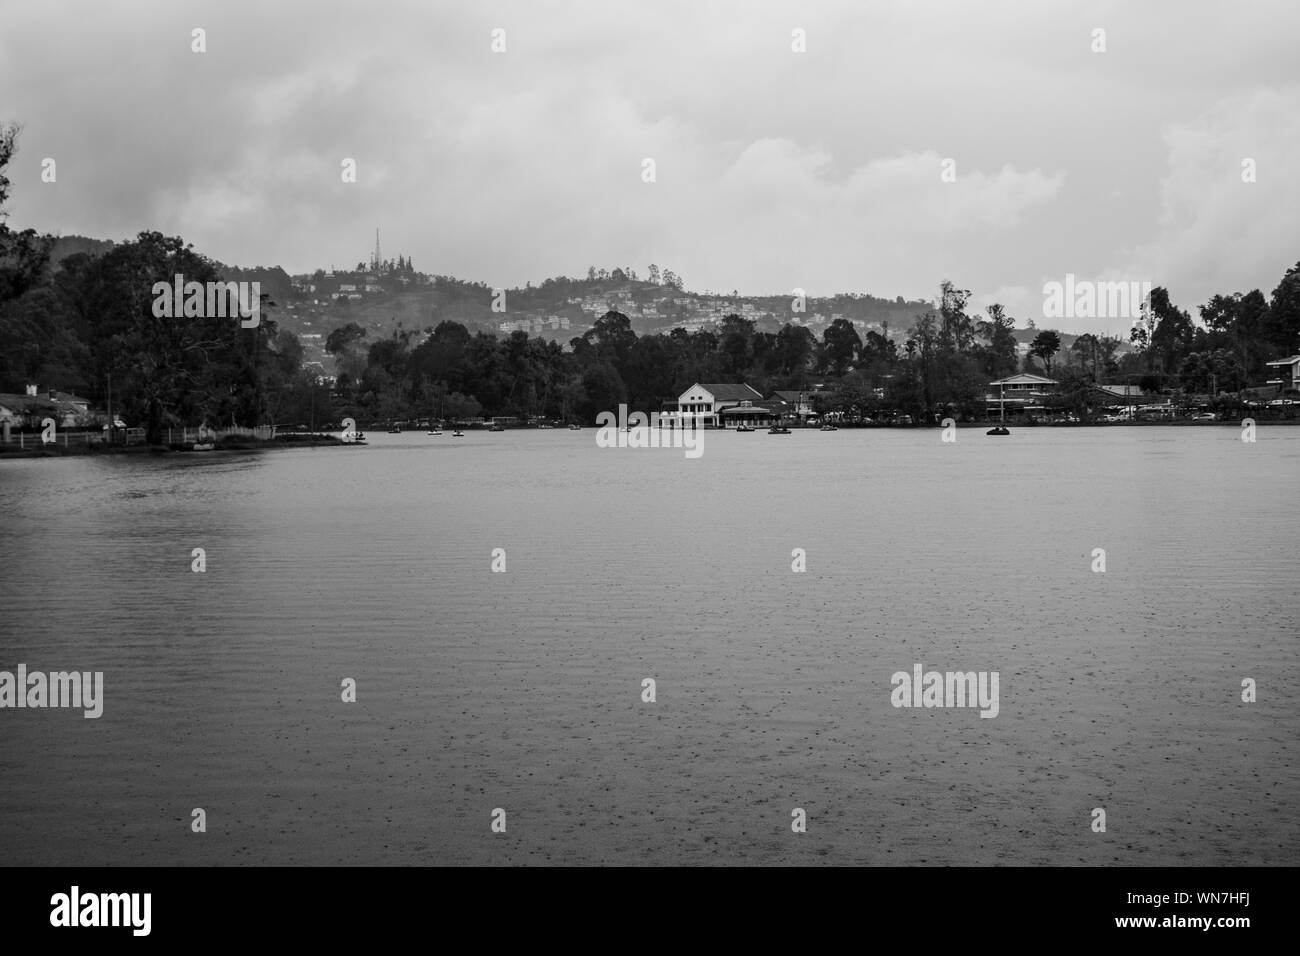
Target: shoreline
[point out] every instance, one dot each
(86, 450)
(74, 450)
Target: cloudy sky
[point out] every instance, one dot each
(773, 169)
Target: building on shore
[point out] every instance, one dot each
(29, 410)
(706, 403)
(794, 403)
(747, 413)
(1285, 372)
(1022, 394)
(1117, 394)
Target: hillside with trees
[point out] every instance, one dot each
(415, 346)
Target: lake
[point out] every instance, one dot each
(477, 690)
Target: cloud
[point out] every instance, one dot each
(1217, 233)
(775, 169)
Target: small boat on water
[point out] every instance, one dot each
(458, 434)
(204, 446)
(1001, 428)
(574, 428)
(743, 428)
(778, 430)
(495, 428)
(438, 432)
(829, 428)
(394, 430)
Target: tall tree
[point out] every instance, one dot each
(998, 331)
(23, 255)
(1283, 323)
(1171, 339)
(841, 343)
(1045, 345)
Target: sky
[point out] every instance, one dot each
(773, 169)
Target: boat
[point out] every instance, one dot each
(394, 430)
(495, 428)
(458, 434)
(828, 428)
(574, 428)
(204, 446)
(778, 430)
(1001, 428)
(439, 432)
(743, 428)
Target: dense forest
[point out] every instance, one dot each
(85, 324)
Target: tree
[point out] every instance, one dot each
(603, 390)
(1087, 347)
(459, 407)
(167, 369)
(735, 334)
(999, 357)
(1171, 338)
(1239, 322)
(1107, 348)
(23, 255)
(1208, 372)
(794, 346)
(841, 343)
(1282, 326)
(653, 273)
(342, 338)
(1046, 344)
(612, 336)
(922, 350)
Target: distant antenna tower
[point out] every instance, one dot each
(378, 259)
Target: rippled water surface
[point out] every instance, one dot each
(478, 690)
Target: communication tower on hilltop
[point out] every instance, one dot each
(378, 259)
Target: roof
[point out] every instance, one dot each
(1286, 361)
(64, 403)
(729, 392)
(1119, 391)
(1024, 378)
(747, 410)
